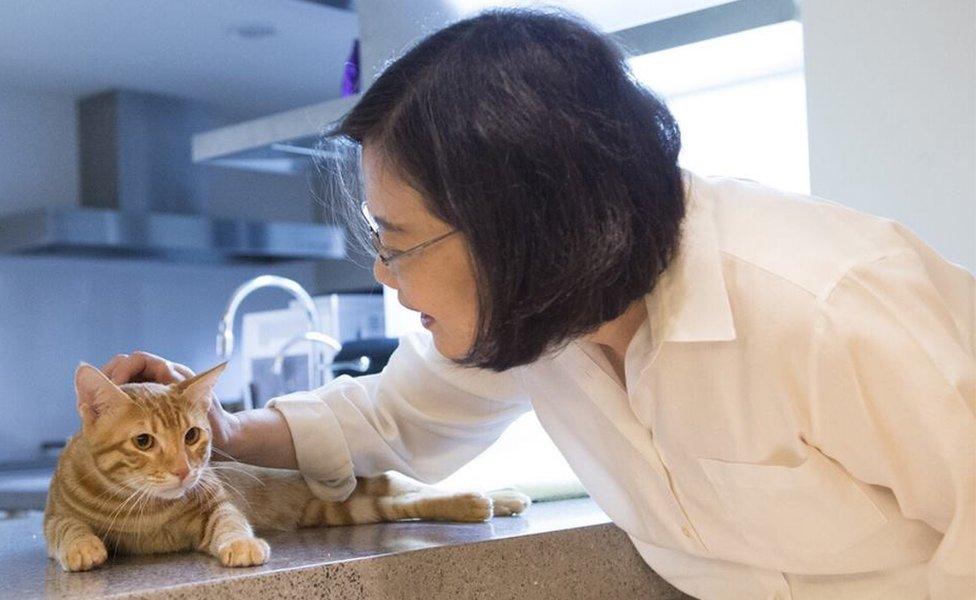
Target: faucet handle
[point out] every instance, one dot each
(359, 365)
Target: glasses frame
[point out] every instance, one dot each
(387, 255)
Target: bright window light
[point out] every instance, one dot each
(740, 101)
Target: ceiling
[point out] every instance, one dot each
(194, 48)
(188, 48)
(605, 15)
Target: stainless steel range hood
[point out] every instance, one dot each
(169, 237)
(142, 196)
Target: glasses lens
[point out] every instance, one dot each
(374, 242)
(370, 221)
(374, 233)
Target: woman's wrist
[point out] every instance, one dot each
(261, 437)
(227, 436)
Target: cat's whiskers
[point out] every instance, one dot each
(231, 464)
(116, 489)
(229, 457)
(227, 486)
(238, 468)
(144, 501)
(137, 524)
(118, 511)
(210, 490)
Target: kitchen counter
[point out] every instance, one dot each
(558, 549)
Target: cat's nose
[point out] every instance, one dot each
(181, 472)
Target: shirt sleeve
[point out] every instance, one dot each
(422, 415)
(894, 398)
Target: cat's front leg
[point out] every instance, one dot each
(228, 536)
(73, 544)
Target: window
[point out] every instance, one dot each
(740, 101)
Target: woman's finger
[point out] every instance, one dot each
(113, 364)
(131, 368)
(157, 368)
(142, 366)
(183, 370)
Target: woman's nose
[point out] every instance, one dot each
(384, 274)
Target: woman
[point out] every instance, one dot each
(771, 394)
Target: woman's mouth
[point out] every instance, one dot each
(426, 320)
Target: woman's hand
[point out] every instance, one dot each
(143, 366)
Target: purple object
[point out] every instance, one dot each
(350, 75)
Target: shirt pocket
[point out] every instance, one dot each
(808, 510)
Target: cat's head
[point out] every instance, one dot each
(147, 436)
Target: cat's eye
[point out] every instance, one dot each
(192, 435)
(143, 441)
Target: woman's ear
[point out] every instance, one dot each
(97, 395)
(198, 390)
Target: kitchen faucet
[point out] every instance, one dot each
(357, 365)
(225, 328)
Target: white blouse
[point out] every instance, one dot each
(798, 421)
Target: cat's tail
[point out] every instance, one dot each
(279, 499)
(360, 509)
(428, 504)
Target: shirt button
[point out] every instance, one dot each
(686, 531)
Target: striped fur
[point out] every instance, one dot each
(109, 496)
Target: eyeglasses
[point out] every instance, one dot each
(388, 255)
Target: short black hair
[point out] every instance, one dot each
(527, 132)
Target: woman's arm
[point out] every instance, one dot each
(895, 398)
(259, 437)
(422, 416)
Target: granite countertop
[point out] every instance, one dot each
(558, 549)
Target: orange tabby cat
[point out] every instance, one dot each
(138, 479)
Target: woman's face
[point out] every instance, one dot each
(439, 280)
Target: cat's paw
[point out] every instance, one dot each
(508, 503)
(83, 554)
(244, 552)
(468, 507)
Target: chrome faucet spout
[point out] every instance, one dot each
(313, 337)
(225, 327)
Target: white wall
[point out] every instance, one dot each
(891, 102)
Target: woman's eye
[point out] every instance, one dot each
(143, 441)
(192, 435)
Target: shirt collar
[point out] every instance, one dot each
(690, 302)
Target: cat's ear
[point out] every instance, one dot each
(97, 395)
(198, 389)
